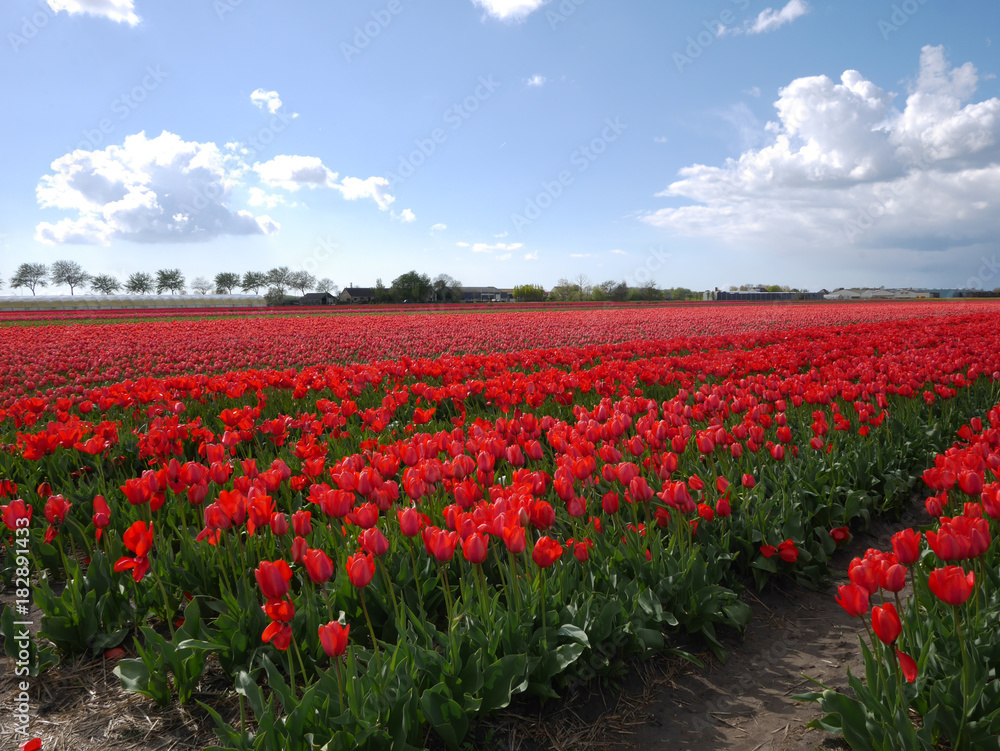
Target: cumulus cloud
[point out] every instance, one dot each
(536, 81)
(162, 189)
(509, 10)
(439, 227)
(122, 11)
(532, 256)
(769, 19)
(405, 216)
(843, 165)
(291, 172)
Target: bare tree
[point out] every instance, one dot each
(302, 281)
(30, 275)
(201, 285)
(583, 285)
(69, 273)
(327, 285)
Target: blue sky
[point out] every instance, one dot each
(506, 141)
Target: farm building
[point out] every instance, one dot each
(126, 302)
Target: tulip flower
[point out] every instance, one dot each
(908, 665)
(32, 745)
(853, 599)
(474, 548)
(360, 569)
(139, 539)
(318, 566)
(951, 584)
(374, 542)
(102, 516)
(333, 637)
(546, 552)
(273, 578)
(440, 543)
(886, 623)
(906, 546)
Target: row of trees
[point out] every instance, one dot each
(277, 281)
(410, 286)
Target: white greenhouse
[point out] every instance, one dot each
(41, 303)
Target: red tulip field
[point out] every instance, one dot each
(385, 526)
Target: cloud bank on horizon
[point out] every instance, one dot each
(845, 164)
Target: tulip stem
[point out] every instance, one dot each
(392, 594)
(416, 580)
(340, 684)
(966, 680)
(371, 630)
(451, 608)
(545, 641)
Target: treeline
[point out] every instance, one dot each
(580, 289)
(277, 281)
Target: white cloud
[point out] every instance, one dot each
(162, 189)
(502, 234)
(268, 99)
(618, 252)
(753, 91)
(769, 19)
(294, 172)
(439, 227)
(487, 248)
(844, 166)
(260, 197)
(536, 81)
(405, 216)
(512, 10)
(532, 256)
(122, 11)
(582, 255)
(462, 244)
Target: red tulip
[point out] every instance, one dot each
(302, 523)
(886, 623)
(906, 546)
(749, 481)
(333, 637)
(273, 578)
(908, 665)
(16, 514)
(546, 552)
(853, 599)
(893, 578)
(318, 566)
(440, 543)
(102, 516)
(360, 569)
(474, 548)
(373, 541)
(951, 584)
(33, 745)
(410, 521)
(139, 540)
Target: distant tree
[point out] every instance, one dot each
(277, 279)
(274, 296)
(253, 280)
(564, 291)
(226, 282)
(327, 285)
(646, 291)
(201, 285)
(381, 293)
(105, 284)
(169, 280)
(584, 288)
(69, 273)
(411, 286)
(446, 289)
(30, 275)
(733, 288)
(302, 281)
(610, 290)
(140, 283)
(680, 293)
(529, 293)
